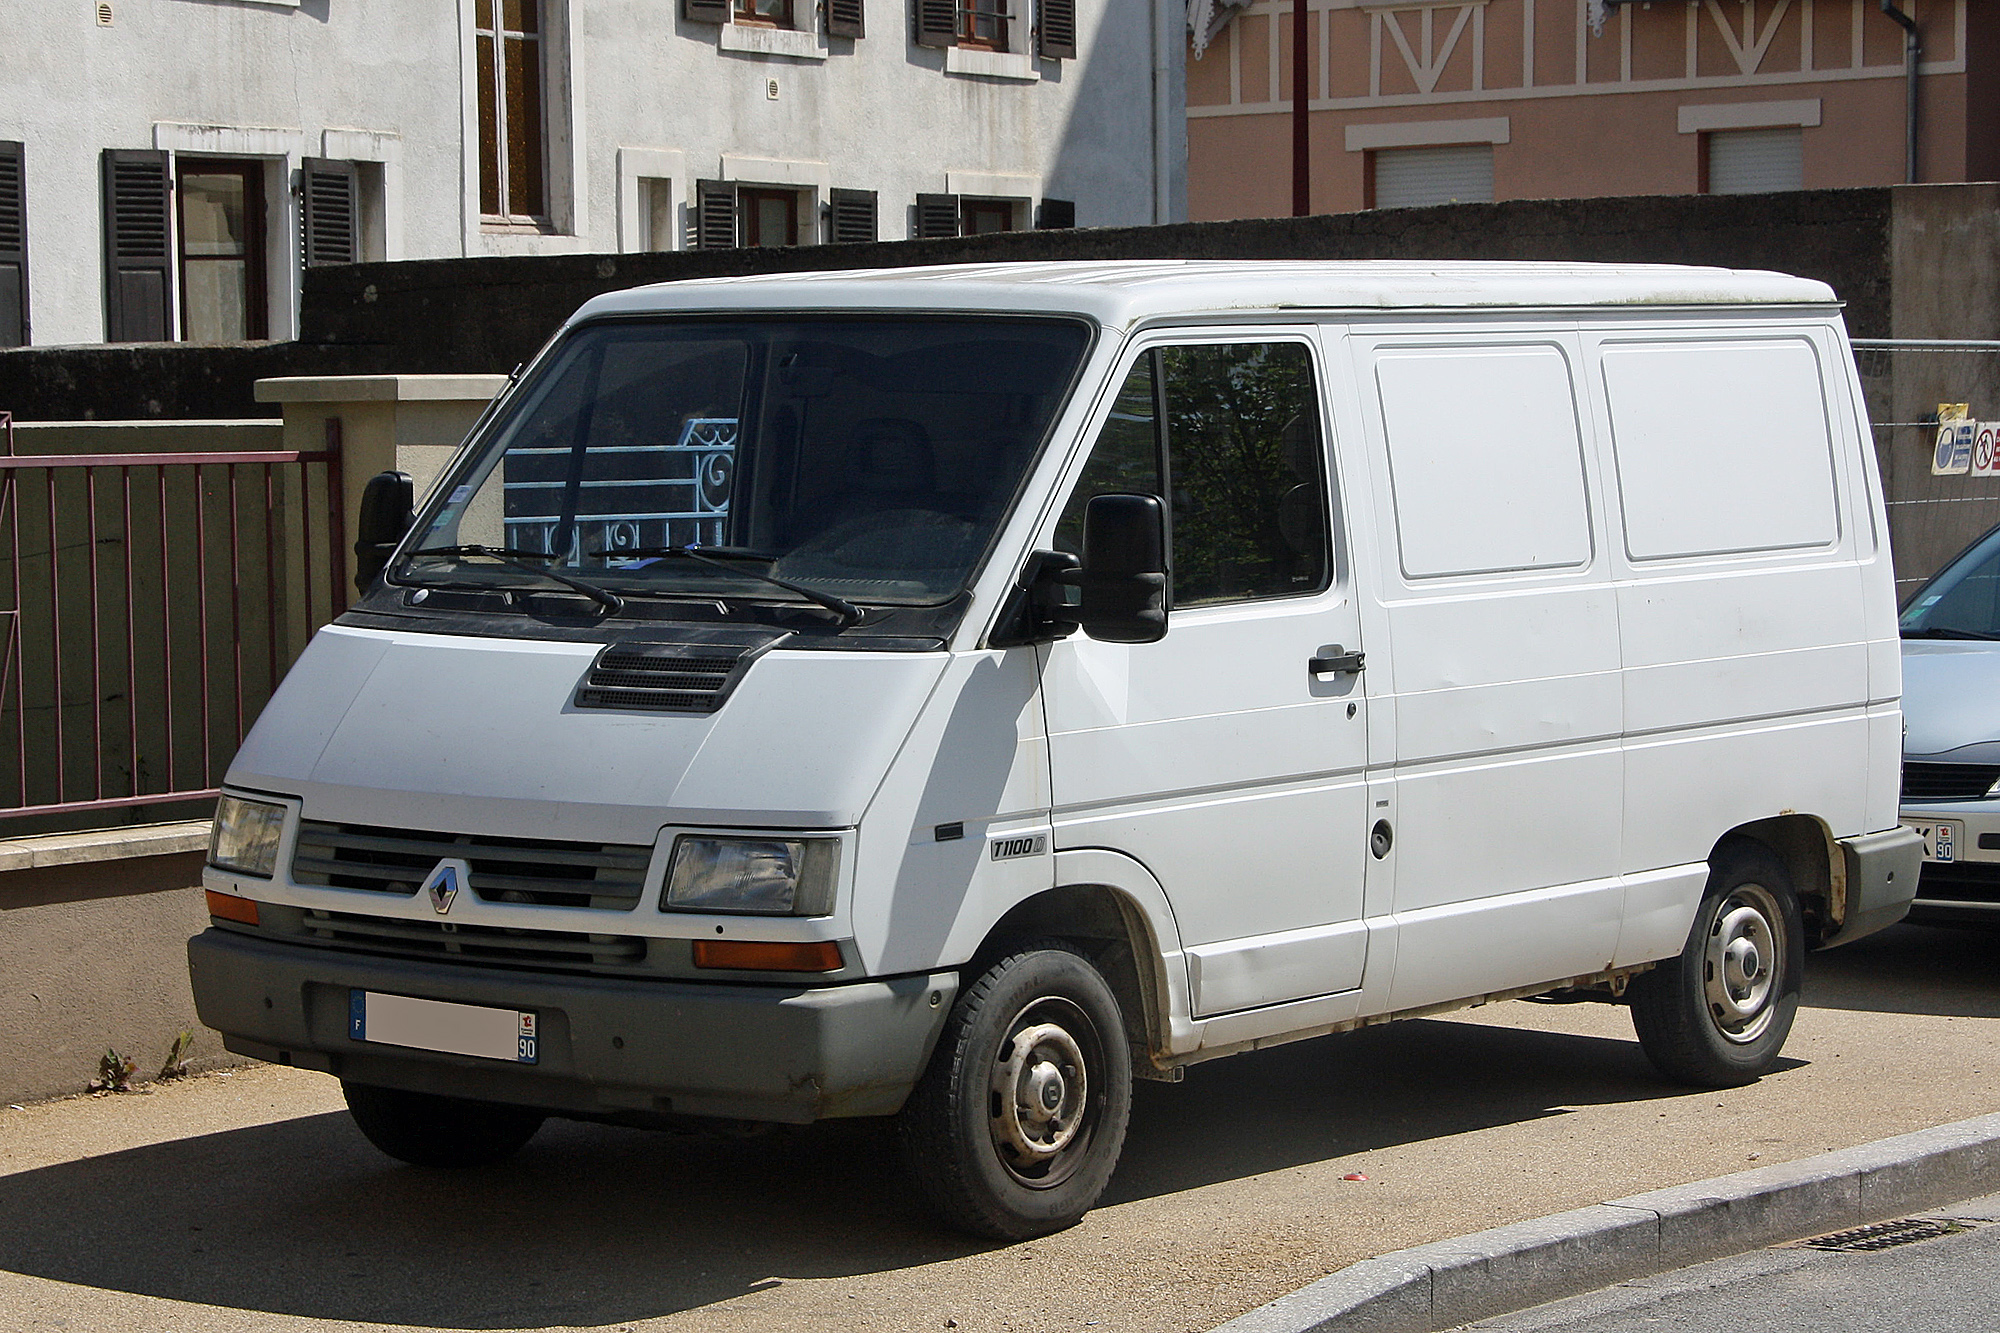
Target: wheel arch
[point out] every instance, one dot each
(1806, 846)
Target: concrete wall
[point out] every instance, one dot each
(638, 100)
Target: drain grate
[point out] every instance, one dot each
(1883, 1235)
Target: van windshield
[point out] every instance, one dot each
(859, 459)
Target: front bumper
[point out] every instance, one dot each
(1967, 887)
(608, 1047)
(1881, 880)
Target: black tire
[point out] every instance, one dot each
(1043, 1024)
(1718, 1015)
(427, 1130)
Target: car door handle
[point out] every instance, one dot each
(1333, 661)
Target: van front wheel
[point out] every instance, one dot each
(1718, 1015)
(1016, 1124)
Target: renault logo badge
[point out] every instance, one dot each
(447, 877)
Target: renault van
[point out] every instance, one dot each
(953, 693)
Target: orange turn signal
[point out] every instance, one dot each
(769, 955)
(229, 907)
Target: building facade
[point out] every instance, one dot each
(167, 167)
(1431, 101)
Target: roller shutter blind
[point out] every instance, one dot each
(1754, 161)
(937, 216)
(706, 11)
(845, 18)
(329, 230)
(138, 252)
(13, 246)
(851, 216)
(714, 215)
(1416, 177)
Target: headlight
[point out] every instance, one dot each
(779, 876)
(245, 837)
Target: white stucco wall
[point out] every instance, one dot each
(637, 92)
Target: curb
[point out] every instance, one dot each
(1430, 1288)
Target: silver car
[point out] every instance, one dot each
(1951, 740)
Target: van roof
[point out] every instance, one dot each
(1122, 292)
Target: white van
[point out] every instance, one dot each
(952, 693)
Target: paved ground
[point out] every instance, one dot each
(248, 1202)
(1943, 1285)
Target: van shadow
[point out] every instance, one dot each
(1911, 969)
(592, 1225)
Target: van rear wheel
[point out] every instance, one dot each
(1017, 1122)
(1718, 1015)
(424, 1129)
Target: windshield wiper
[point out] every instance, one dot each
(520, 560)
(1947, 632)
(720, 556)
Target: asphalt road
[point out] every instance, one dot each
(1942, 1285)
(250, 1202)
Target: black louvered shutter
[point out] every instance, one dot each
(705, 11)
(844, 18)
(937, 216)
(13, 247)
(937, 22)
(138, 263)
(714, 215)
(1055, 214)
(330, 220)
(1055, 32)
(851, 215)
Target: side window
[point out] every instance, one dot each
(1244, 466)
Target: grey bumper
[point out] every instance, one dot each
(608, 1046)
(1882, 873)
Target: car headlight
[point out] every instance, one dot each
(775, 876)
(245, 837)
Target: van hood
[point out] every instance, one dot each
(1951, 699)
(480, 735)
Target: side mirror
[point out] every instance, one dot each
(388, 503)
(1124, 576)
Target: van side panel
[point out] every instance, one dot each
(1503, 660)
(1740, 598)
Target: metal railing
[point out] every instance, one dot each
(149, 605)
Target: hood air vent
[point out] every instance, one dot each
(693, 675)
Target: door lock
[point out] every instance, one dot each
(1380, 839)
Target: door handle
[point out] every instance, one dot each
(1333, 661)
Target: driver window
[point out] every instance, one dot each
(1244, 466)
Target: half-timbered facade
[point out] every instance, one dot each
(1428, 101)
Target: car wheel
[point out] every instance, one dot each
(1016, 1124)
(1717, 1015)
(427, 1130)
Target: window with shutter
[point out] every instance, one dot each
(1055, 29)
(937, 22)
(937, 216)
(1054, 214)
(13, 246)
(851, 216)
(715, 215)
(844, 18)
(138, 263)
(329, 222)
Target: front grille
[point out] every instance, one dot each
(1959, 881)
(450, 941)
(607, 876)
(691, 675)
(1948, 782)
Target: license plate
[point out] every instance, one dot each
(1941, 839)
(439, 1025)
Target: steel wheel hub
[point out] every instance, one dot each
(1742, 963)
(1040, 1092)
